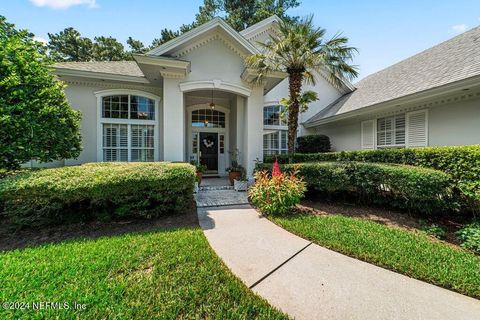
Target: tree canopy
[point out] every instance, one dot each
(36, 120)
(70, 45)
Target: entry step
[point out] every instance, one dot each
(212, 188)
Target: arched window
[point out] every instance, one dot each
(128, 107)
(208, 118)
(128, 128)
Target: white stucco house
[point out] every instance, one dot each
(192, 99)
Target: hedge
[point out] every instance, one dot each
(96, 191)
(398, 186)
(313, 143)
(462, 163)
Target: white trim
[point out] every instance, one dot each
(98, 75)
(258, 27)
(215, 84)
(190, 35)
(100, 120)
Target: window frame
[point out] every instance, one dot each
(282, 123)
(393, 130)
(280, 149)
(129, 122)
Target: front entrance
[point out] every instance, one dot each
(209, 151)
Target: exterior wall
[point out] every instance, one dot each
(448, 125)
(81, 96)
(215, 60)
(326, 94)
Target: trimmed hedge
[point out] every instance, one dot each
(96, 191)
(313, 144)
(398, 186)
(462, 163)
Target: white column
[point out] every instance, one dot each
(253, 141)
(173, 121)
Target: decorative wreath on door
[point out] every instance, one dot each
(208, 142)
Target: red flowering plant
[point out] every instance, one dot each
(278, 192)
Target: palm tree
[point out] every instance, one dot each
(299, 49)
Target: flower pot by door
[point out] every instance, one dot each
(232, 175)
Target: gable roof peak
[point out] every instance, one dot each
(215, 23)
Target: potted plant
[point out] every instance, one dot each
(241, 183)
(201, 169)
(235, 170)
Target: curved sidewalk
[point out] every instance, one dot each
(310, 282)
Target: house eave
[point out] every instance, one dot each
(60, 72)
(413, 98)
(270, 80)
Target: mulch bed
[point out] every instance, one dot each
(16, 239)
(384, 216)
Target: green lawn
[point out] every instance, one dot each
(408, 252)
(165, 275)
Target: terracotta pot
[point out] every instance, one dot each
(199, 175)
(232, 175)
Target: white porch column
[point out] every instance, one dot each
(173, 121)
(253, 134)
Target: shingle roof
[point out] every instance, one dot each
(124, 68)
(450, 61)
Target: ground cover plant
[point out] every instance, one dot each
(164, 274)
(96, 192)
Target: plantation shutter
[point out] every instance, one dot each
(417, 129)
(368, 134)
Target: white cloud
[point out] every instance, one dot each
(40, 39)
(459, 28)
(64, 4)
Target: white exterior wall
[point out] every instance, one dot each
(174, 125)
(448, 125)
(81, 96)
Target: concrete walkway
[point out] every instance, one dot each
(310, 282)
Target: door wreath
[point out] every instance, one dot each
(208, 143)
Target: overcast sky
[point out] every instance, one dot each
(385, 31)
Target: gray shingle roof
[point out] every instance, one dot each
(124, 68)
(450, 61)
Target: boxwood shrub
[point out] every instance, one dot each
(462, 163)
(96, 191)
(399, 186)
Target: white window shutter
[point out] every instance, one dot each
(368, 135)
(417, 129)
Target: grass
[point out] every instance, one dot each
(407, 252)
(170, 274)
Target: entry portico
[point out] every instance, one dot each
(210, 107)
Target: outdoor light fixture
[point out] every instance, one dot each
(212, 105)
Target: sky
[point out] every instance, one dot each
(384, 31)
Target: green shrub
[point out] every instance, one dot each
(398, 186)
(434, 230)
(96, 191)
(277, 194)
(462, 163)
(313, 144)
(470, 236)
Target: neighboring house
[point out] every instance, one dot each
(192, 99)
(429, 99)
(188, 99)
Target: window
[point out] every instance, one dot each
(128, 107)
(272, 116)
(275, 142)
(391, 131)
(128, 128)
(222, 143)
(208, 118)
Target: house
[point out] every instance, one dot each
(429, 99)
(192, 99)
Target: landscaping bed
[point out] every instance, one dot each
(164, 274)
(97, 191)
(389, 239)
